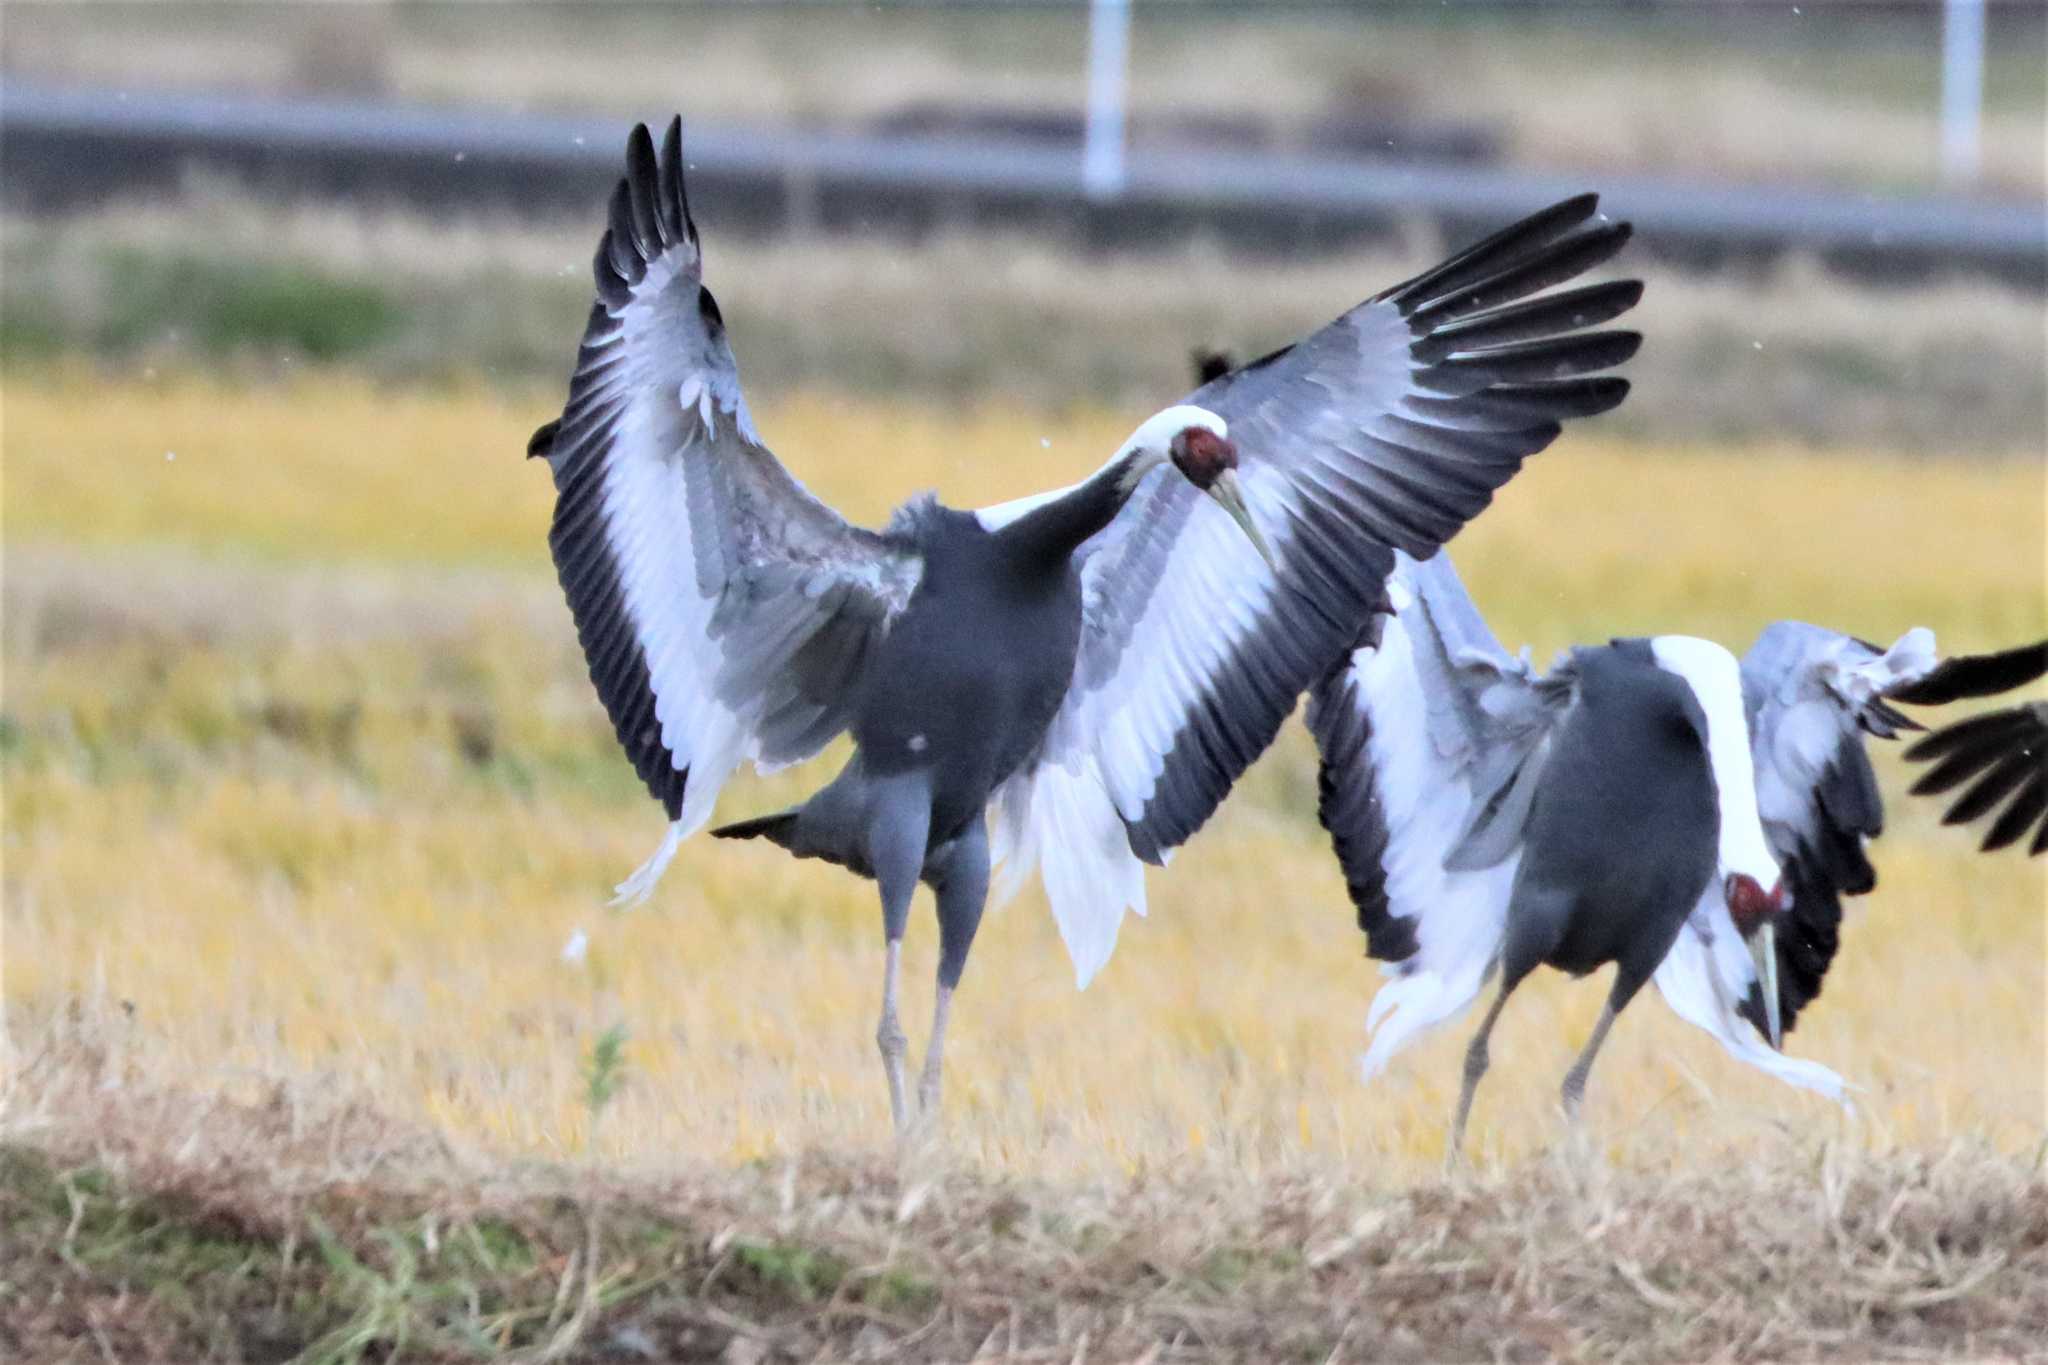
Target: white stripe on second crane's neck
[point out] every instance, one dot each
(1716, 680)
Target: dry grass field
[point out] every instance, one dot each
(305, 789)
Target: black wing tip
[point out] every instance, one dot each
(1975, 675)
(2003, 755)
(1210, 365)
(1565, 214)
(1545, 234)
(648, 212)
(541, 445)
(1975, 740)
(639, 147)
(1584, 397)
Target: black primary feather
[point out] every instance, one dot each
(1974, 675)
(542, 443)
(2003, 754)
(1824, 865)
(1349, 806)
(1809, 935)
(1210, 364)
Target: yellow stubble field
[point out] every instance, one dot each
(305, 789)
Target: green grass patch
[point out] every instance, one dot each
(369, 1274)
(231, 305)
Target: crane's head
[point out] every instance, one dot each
(1755, 912)
(1198, 444)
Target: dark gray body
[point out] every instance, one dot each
(959, 694)
(1624, 828)
(970, 676)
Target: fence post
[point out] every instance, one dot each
(1109, 43)
(1962, 88)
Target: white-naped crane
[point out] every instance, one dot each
(1099, 662)
(1649, 802)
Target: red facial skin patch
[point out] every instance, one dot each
(1201, 455)
(1748, 902)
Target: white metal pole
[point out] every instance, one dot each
(1962, 87)
(1109, 46)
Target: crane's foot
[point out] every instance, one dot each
(1573, 1091)
(893, 1045)
(1574, 1097)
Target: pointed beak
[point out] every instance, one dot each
(1763, 948)
(1229, 495)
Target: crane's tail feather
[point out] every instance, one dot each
(779, 828)
(640, 885)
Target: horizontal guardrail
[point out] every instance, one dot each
(68, 145)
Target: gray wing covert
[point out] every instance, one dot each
(725, 613)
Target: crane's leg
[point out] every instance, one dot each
(899, 822)
(959, 876)
(1475, 1067)
(1575, 1079)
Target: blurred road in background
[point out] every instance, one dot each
(920, 181)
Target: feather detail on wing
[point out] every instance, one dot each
(2001, 754)
(1387, 430)
(1429, 736)
(725, 613)
(1812, 695)
(1709, 979)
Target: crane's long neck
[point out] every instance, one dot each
(1050, 527)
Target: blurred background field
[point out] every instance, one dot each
(305, 786)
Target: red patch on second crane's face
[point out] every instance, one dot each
(1201, 455)
(1749, 903)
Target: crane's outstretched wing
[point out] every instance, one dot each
(2001, 754)
(1431, 737)
(725, 612)
(1387, 430)
(1813, 695)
